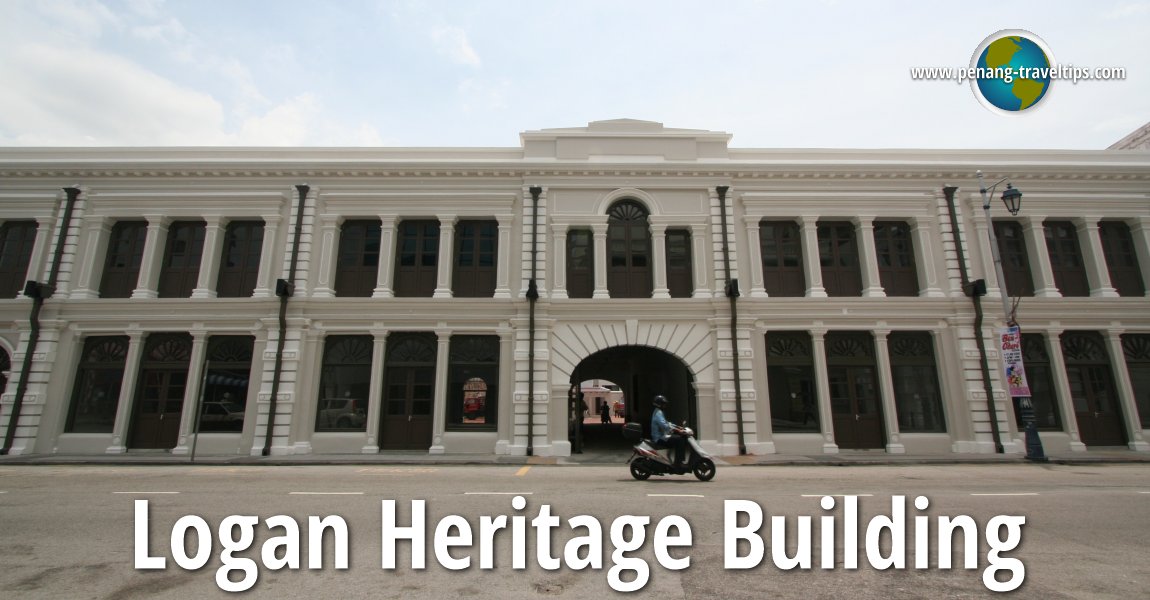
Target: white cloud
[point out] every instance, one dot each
(84, 18)
(452, 42)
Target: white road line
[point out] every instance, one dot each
(1009, 494)
(145, 492)
(1138, 492)
(497, 493)
(676, 496)
(326, 493)
(837, 495)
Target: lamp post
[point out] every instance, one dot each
(1012, 198)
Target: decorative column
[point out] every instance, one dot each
(388, 253)
(506, 398)
(328, 243)
(268, 258)
(446, 244)
(153, 258)
(375, 392)
(1062, 386)
(503, 257)
(559, 234)
(886, 390)
(982, 240)
(1140, 235)
(439, 420)
(1097, 273)
(758, 289)
(811, 265)
(823, 388)
(924, 258)
(600, 234)
(1125, 392)
(1035, 233)
(872, 284)
(127, 389)
(39, 250)
(659, 245)
(215, 230)
(193, 391)
(700, 256)
(96, 231)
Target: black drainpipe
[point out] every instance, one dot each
(38, 292)
(976, 290)
(732, 291)
(284, 289)
(532, 296)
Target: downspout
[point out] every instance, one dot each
(38, 292)
(975, 291)
(532, 296)
(284, 289)
(732, 292)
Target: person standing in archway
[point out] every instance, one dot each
(604, 412)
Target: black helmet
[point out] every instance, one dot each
(659, 401)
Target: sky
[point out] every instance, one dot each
(814, 74)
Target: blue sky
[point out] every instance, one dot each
(454, 73)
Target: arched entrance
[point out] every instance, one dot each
(641, 372)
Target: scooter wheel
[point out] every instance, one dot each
(705, 470)
(640, 471)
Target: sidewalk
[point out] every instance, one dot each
(859, 458)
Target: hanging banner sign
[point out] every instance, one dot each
(1012, 362)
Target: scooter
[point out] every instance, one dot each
(646, 460)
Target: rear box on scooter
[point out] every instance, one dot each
(632, 432)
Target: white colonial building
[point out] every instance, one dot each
(447, 300)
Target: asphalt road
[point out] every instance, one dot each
(70, 531)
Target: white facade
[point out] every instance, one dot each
(674, 174)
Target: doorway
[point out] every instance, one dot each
(160, 394)
(639, 373)
(408, 392)
(1100, 421)
(856, 410)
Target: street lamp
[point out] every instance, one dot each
(1012, 199)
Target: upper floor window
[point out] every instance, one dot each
(475, 255)
(1066, 258)
(782, 249)
(679, 276)
(240, 263)
(1015, 263)
(628, 251)
(838, 257)
(16, 241)
(580, 264)
(122, 264)
(358, 266)
(1121, 258)
(182, 254)
(895, 254)
(417, 259)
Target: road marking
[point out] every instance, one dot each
(326, 493)
(1138, 492)
(676, 496)
(1009, 494)
(838, 495)
(497, 493)
(145, 492)
(522, 471)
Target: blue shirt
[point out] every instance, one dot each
(660, 428)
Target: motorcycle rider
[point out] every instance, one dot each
(663, 432)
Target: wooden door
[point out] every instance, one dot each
(1096, 405)
(407, 408)
(855, 407)
(159, 405)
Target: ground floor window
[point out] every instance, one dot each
(1136, 347)
(226, 377)
(791, 382)
(473, 384)
(1040, 377)
(916, 391)
(344, 383)
(96, 392)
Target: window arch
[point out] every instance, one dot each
(628, 250)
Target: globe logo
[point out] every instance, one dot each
(1013, 68)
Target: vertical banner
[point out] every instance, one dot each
(1012, 362)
